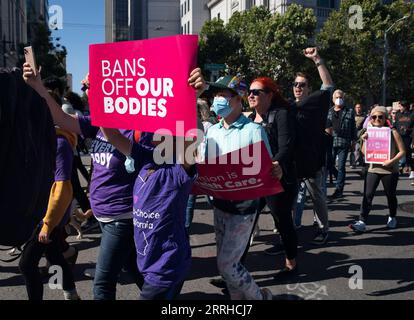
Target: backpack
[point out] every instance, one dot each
(27, 158)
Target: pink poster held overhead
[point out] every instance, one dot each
(378, 145)
(143, 84)
(247, 178)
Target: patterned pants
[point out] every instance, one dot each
(232, 235)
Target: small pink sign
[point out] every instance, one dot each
(378, 145)
(143, 84)
(221, 179)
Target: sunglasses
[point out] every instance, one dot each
(299, 84)
(379, 117)
(255, 92)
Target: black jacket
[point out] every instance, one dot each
(279, 125)
(27, 158)
(310, 123)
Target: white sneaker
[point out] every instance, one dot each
(358, 226)
(90, 273)
(411, 175)
(255, 233)
(392, 223)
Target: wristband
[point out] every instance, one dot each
(319, 62)
(129, 164)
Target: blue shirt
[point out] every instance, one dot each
(241, 133)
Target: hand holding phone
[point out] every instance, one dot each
(30, 59)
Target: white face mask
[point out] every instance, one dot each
(339, 102)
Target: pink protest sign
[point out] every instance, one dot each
(222, 178)
(143, 84)
(378, 145)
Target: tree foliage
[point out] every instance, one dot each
(257, 43)
(355, 56)
(47, 55)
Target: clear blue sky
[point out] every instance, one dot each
(83, 24)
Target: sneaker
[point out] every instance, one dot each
(275, 230)
(336, 195)
(255, 233)
(266, 294)
(411, 175)
(412, 183)
(218, 282)
(358, 226)
(90, 273)
(320, 238)
(275, 250)
(392, 223)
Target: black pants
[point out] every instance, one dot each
(408, 152)
(78, 192)
(372, 180)
(29, 263)
(280, 206)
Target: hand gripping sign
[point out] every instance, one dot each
(224, 178)
(378, 145)
(143, 84)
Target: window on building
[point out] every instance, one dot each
(218, 16)
(188, 27)
(121, 20)
(181, 10)
(185, 7)
(188, 5)
(266, 3)
(326, 3)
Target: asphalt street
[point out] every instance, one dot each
(376, 265)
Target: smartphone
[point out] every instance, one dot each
(30, 59)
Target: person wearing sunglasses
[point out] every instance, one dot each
(234, 220)
(271, 110)
(311, 111)
(386, 172)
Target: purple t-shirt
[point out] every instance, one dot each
(64, 161)
(111, 185)
(160, 202)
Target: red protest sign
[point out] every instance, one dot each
(378, 145)
(143, 84)
(224, 179)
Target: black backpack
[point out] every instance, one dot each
(27, 158)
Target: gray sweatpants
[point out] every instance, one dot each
(317, 191)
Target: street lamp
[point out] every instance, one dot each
(385, 61)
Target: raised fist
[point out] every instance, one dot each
(311, 53)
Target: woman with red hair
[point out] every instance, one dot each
(271, 110)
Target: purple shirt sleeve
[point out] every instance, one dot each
(64, 160)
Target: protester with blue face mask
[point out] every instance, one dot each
(341, 122)
(234, 220)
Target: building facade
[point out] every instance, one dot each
(224, 9)
(193, 13)
(13, 30)
(141, 19)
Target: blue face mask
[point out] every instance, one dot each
(222, 106)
